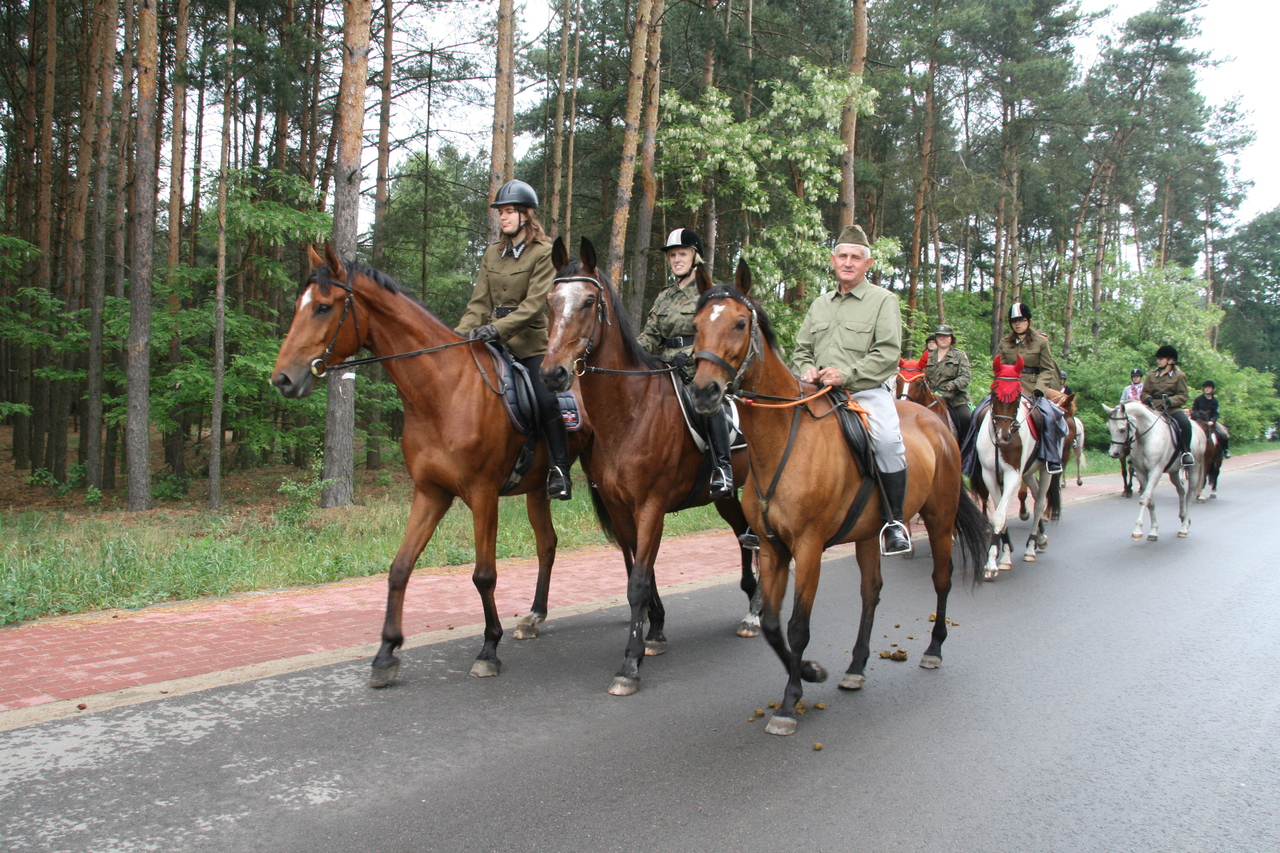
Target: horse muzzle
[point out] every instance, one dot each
(706, 398)
(291, 388)
(557, 378)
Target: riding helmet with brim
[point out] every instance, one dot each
(518, 193)
(684, 238)
(1019, 311)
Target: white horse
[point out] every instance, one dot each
(1005, 448)
(1149, 439)
(1077, 450)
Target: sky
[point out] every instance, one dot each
(1240, 34)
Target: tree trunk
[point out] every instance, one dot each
(630, 141)
(384, 139)
(339, 449)
(175, 441)
(138, 421)
(557, 144)
(848, 197)
(648, 147)
(504, 95)
(220, 281)
(573, 124)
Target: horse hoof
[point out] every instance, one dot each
(1213, 496)
(382, 676)
(813, 672)
(527, 627)
(1182, 534)
(485, 668)
(653, 648)
(623, 686)
(1200, 499)
(1151, 537)
(1024, 515)
(1136, 537)
(1006, 566)
(852, 681)
(781, 726)
(749, 627)
(931, 661)
(990, 574)
(1028, 558)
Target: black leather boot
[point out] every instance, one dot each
(894, 536)
(721, 485)
(559, 483)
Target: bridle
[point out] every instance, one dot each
(601, 318)
(1015, 423)
(755, 350)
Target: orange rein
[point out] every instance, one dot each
(747, 401)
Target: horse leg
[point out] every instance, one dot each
(1126, 477)
(940, 544)
(808, 567)
(641, 595)
(731, 511)
(427, 510)
(544, 534)
(484, 513)
(1147, 502)
(1022, 503)
(1185, 499)
(868, 551)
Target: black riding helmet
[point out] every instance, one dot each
(684, 238)
(1209, 383)
(1168, 352)
(1137, 371)
(518, 193)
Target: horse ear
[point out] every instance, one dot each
(559, 254)
(742, 276)
(996, 364)
(1019, 364)
(702, 278)
(1108, 409)
(315, 260)
(587, 253)
(902, 362)
(336, 270)
(923, 362)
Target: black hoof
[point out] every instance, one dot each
(383, 676)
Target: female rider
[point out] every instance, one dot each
(1041, 380)
(509, 306)
(949, 374)
(669, 333)
(1165, 390)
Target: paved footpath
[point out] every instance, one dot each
(61, 667)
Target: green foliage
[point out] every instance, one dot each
(302, 496)
(167, 487)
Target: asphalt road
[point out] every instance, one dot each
(1115, 696)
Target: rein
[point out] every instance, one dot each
(580, 365)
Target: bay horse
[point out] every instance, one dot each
(1005, 448)
(642, 462)
(1147, 435)
(912, 384)
(458, 440)
(804, 481)
(1212, 455)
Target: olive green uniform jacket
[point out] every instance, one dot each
(1039, 370)
(1172, 382)
(949, 378)
(671, 316)
(859, 333)
(521, 283)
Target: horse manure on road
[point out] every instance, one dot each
(900, 654)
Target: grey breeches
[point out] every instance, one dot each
(886, 434)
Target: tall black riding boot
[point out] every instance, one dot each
(894, 536)
(721, 485)
(559, 484)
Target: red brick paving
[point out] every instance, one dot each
(58, 659)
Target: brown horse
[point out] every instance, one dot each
(642, 462)
(912, 384)
(805, 482)
(458, 440)
(1212, 453)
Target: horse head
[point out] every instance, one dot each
(911, 381)
(1006, 398)
(728, 338)
(319, 336)
(577, 304)
(1120, 428)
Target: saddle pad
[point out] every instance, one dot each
(519, 400)
(697, 423)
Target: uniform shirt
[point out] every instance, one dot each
(1171, 382)
(521, 282)
(1039, 368)
(859, 333)
(670, 317)
(1131, 393)
(1208, 405)
(949, 377)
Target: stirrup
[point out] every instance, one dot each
(749, 541)
(1188, 460)
(721, 484)
(559, 486)
(1053, 468)
(886, 534)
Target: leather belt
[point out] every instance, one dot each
(503, 310)
(678, 341)
(1031, 370)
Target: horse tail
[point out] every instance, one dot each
(972, 535)
(602, 513)
(978, 486)
(1055, 497)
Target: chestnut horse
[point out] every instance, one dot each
(912, 384)
(642, 463)
(458, 440)
(804, 482)
(1005, 448)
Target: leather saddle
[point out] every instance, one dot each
(697, 423)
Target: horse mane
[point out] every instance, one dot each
(728, 291)
(324, 278)
(626, 329)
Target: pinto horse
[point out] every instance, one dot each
(642, 462)
(809, 493)
(458, 440)
(1147, 436)
(912, 384)
(1212, 455)
(1005, 447)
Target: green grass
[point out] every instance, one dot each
(54, 563)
